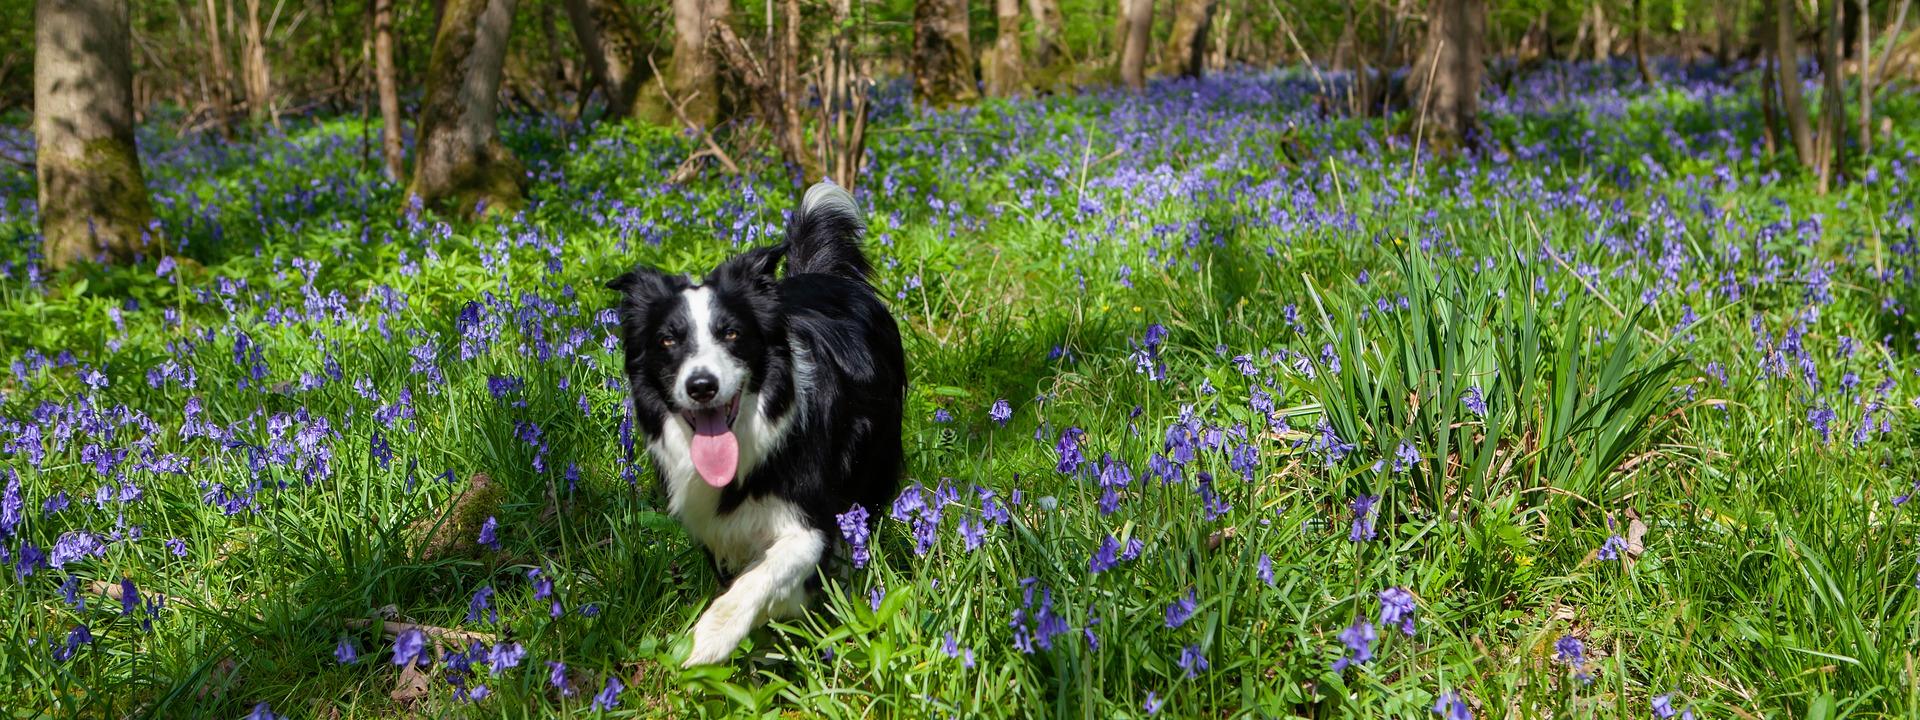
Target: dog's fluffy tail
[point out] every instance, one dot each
(824, 235)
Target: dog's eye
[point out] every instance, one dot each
(730, 335)
(666, 342)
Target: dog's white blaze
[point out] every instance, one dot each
(709, 353)
(766, 540)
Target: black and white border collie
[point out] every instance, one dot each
(770, 405)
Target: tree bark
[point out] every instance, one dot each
(1186, 52)
(388, 88)
(1444, 83)
(1133, 53)
(93, 200)
(221, 85)
(615, 49)
(462, 166)
(1602, 33)
(258, 78)
(1008, 72)
(1833, 99)
(1640, 43)
(942, 60)
(1787, 58)
(1865, 59)
(693, 77)
(1046, 31)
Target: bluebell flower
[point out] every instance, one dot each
(1363, 518)
(1193, 661)
(76, 637)
(1264, 570)
(10, 505)
(1449, 706)
(972, 533)
(1182, 609)
(261, 712)
(1610, 550)
(876, 596)
(1068, 448)
(482, 603)
(344, 652)
(1396, 607)
(1358, 638)
(489, 536)
(940, 415)
(557, 677)
(1405, 456)
(504, 656)
(1476, 402)
(408, 647)
(1000, 413)
(609, 697)
(177, 546)
(1153, 704)
(854, 527)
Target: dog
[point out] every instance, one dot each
(770, 406)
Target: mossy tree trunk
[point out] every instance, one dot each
(93, 200)
(1444, 83)
(1787, 60)
(461, 164)
(694, 77)
(615, 49)
(1008, 73)
(1186, 51)
(1139, 34)
(1046, 31)
(942, 60)
(385, 77)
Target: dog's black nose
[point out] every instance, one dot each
(702, 386)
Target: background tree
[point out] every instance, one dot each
(1786, 56)
(615, 50)
(942, 59)
(693, 73)
(1005, 73)
(1138, 24)
(462, 165)
(1046, 31)
(1443, 86)
(386, 78)
(93, 200)
(1186, 49)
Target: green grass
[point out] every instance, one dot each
(1769, 572)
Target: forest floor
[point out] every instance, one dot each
(1613, 418)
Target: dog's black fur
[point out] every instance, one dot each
(822, 359)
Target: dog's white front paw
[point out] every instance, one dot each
(718, 633)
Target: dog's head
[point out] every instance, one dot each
(695, 351)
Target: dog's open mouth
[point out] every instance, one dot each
(716, 452)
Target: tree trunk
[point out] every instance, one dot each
(616, 52)
(258, 78)
(1133, 53)
(1344, 47)
(1046, 31)
(461, 164)
(1602, 34)
(1865, 59)
(1008, 73)
(1833, 99)
(221, 85)
(1787, 58)
(942, 61)
(1444, 83)
(1640, 43)
(388, 88)
(693, 78)
(1186, 53)
(93, 201)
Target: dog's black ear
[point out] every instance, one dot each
(641, 283)
(754, 268)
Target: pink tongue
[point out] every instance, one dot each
(716, 452)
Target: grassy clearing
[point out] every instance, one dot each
(1620, 406)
